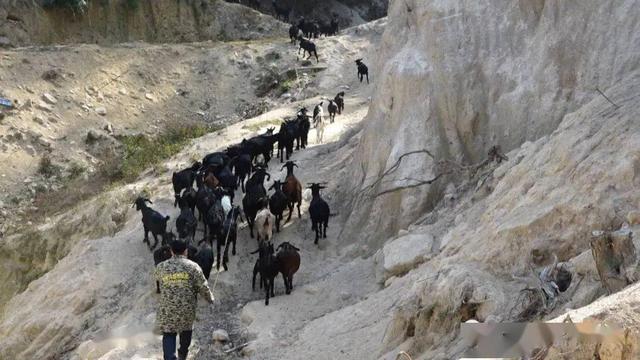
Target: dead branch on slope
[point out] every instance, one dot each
(443, 168)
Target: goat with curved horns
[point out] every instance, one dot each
(292, 188)
(152, 221)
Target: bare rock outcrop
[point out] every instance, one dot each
(458, 77)
(109, 22)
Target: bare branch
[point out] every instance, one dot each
(395, 167)
(446, 167)
(421, 183)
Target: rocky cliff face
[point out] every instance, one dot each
(107, 22)
(458, 77)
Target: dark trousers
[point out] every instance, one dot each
(169, 345)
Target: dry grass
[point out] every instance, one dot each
(263, 124)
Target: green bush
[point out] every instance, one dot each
(75, 170)
(286, 86)
(141, 152)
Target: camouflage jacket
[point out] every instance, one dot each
(180, 282)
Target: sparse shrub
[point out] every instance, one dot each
(75, 170)
(141, 152)
(286, 86)
(46, 167)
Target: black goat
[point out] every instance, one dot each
(288, 260)
(214, 221)
(202, 256)
(286, 137)
(294, 33)
(304, 125)
(152, 221)
(339, 99)
(186, 223)
(363, 70)
(267, 267)
(227, 179)
(328, 29)
(260, 145)
(281, 12)
(229, 235)
(184, 180)
(309, 28)
(163, 253)
(190, 197)
(253, 199)
(319, 212)
(258, 177)
(277, 202)
(241, 165)
(205, 199)
(308, 47)
(333, 110)
(215, 160)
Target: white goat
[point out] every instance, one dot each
(318, 121)
(264, 222)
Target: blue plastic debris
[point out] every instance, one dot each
(6, 102)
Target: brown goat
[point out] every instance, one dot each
(211, 181)
(288, 260)
(292, 188)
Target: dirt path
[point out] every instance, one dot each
(233, 289)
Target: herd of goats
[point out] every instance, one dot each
(219, 175)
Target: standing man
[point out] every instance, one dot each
(181, 280)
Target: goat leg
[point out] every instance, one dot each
(225, 256)
(233, 252)
(286, 284)
(155, 241)
(299, 213)
(290, 212)
(218, 256)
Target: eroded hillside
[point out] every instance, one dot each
(495, 137)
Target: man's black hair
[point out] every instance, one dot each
(178, 247)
